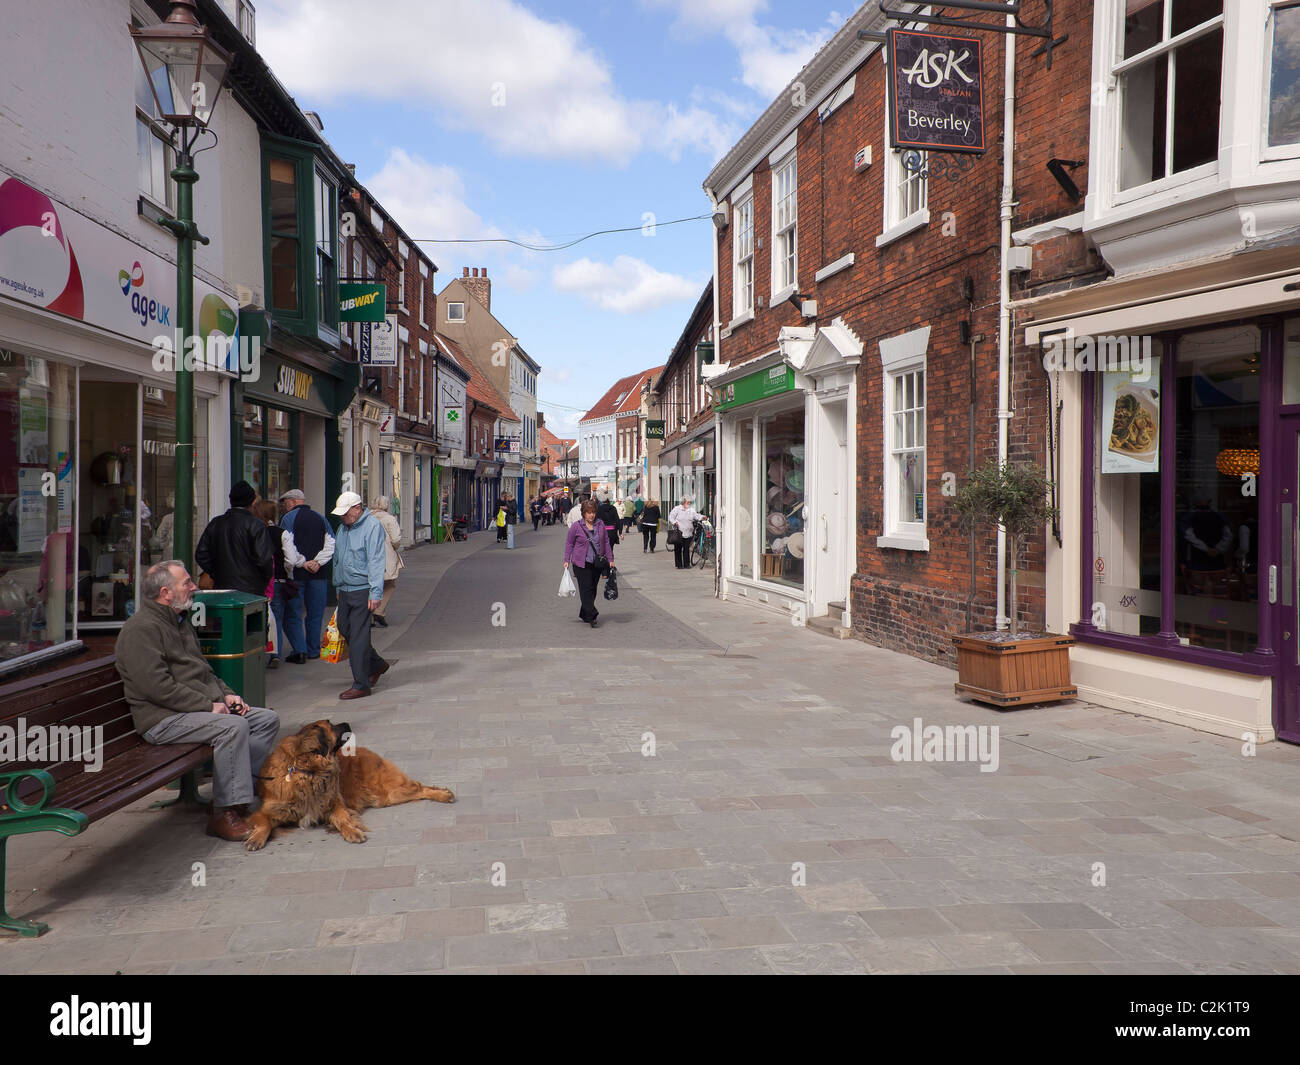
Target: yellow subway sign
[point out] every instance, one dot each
(362, 303)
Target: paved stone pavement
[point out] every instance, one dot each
(772, 758)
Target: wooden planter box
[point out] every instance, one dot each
(1014, 672)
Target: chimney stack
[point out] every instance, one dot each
(478, 285)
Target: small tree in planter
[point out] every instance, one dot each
(1011, 671)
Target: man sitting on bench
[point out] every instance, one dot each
(175, 696)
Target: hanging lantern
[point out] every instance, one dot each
(1234, 461)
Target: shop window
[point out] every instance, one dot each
(781, 504)
(1217, 418)
(327, 304)
(42, 573)
(743, 271)
(1169, 75)
(1284, 76)
(284, 235)
(269, 436)
(1126, 510)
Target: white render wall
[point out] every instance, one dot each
(67, 127)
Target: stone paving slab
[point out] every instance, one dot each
(771, 831)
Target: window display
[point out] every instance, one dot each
(782, 504)
(38, 567)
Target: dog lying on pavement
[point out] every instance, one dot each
(309, 779)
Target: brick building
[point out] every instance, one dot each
(858, 308)
(685, 456)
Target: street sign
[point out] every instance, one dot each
(362, 303)
(936, 92)
(379, 342)
(654, 430)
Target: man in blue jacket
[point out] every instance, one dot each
(359, 578)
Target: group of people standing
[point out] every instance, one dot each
(290, 561)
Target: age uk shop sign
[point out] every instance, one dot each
(936, 92)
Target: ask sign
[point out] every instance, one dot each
(936, 89)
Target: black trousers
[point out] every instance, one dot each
(536, 521)
(501, 534)
(588, 581)
(354, 625)
(649, 534)
(682, 553)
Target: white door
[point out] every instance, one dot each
(829, 542)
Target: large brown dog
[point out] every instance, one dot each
(306, 780)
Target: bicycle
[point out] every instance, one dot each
(702, 543)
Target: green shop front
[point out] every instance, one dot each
(786, 488)
(285, 431)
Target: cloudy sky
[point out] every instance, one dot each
(543, 121)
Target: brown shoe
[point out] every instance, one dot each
(374, 677)
(228, 825)
(354, 693)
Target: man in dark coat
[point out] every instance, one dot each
(237, 548)
(609, 515)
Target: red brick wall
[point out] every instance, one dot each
(910, 600)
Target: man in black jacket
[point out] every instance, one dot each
(237, 548)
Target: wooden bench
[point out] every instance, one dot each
(58, 794)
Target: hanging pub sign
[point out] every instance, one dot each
(936, 97)
(362, 303)
(379, 342)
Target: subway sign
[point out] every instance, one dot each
(362, 303)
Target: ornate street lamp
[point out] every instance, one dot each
(185, 69)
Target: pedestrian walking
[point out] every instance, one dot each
(308, 546)
(535, 509)
(587, 554)
(393, 563)
(359, 577)
(683, 518)
(264, 509)
(608, 514)
(637, 507)
(237, 548)
(575, 512)
(629, 514)
(500, 522)
(649, 526)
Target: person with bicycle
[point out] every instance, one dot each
(682, 518)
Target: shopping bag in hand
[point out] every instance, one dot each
(611, 584)
(568, 586)
(335, 647)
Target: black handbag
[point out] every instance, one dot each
(611, 584)
(674, 536)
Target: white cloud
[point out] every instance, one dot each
(625, 286)
(427, 199)
(769, 57)
(520, 278)
(532, 86)
(560, 375)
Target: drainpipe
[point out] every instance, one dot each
(1004, 304)
(717, 422)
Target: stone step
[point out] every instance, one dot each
(829, 627)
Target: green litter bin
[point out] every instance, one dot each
(232, 635)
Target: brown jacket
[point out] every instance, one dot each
(162, 668)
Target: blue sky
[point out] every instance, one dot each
(544, 121)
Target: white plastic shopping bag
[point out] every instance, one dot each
(568, 586)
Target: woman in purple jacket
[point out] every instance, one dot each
(586, 543)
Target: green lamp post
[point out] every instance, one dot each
(186, 69)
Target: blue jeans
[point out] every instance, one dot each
(311, 596)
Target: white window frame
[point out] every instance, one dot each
(1113, 67)
(742, 208)
(896, 223)
(900, 355)
(423, 319)
(401, 287)
(1267, 152)
(785, 226)
(451, 317)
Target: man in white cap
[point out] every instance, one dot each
(359, 578)
(308, 548)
